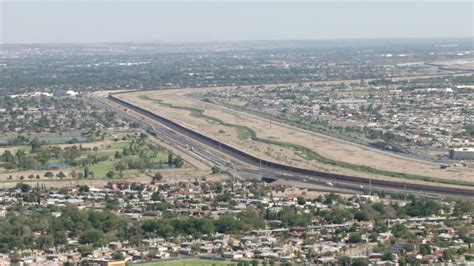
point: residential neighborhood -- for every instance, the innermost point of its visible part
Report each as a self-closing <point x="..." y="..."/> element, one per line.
<point x="236" y="133"/>
<point x="404" y="117"/>
<point x="240" y="221"/>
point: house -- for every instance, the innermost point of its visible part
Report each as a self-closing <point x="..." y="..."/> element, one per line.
<point x="103" y="262"/>
<point x="327" y="261"/>
<point x="233" y="255"/>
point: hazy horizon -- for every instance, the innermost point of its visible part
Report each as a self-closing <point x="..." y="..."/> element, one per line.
<point x="57" y="22"/>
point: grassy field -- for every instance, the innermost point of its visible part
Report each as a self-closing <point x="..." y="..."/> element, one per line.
<point x="191" y="262"/>
<point x="158" y="157"/>
<point x="100" y="169"/>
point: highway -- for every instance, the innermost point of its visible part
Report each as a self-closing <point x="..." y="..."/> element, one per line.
<point x="171" y="137"/>
<point x="211" y="150"/>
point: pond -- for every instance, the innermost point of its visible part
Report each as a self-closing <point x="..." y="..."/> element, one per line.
<point x="162" y="166"/>
<point x="61" y="139"/>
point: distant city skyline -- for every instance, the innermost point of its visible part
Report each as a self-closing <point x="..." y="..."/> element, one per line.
<point x="149" y="21"/>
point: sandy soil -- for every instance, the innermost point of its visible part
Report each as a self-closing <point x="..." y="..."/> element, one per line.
<point x="465" y="63"/>
<point x="169" y="175"/>
<point x="326" y="147"/>
<point x="301" y="189"/>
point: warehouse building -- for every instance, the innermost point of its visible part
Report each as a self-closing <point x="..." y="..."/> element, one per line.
<point x="462" y="153"/>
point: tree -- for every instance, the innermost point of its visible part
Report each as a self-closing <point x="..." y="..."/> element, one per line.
<point x="86" y="172"/>
<point x="7" y="157"/>
<point x="355" y="238"/>
<point x="35" y="145"/>
<point x="43" y="122"/>
<point x="26" y="163"/>
<point x="463" y="206"/>
<point x="178" y="161"/>
<point x="215" y="170"/>
<point x="110" y="174"/>
<point x="121" y="166"/>
<point x="448" y="254"/>
<point x="399" y="230"/>
<point x="117" y="256"/>
<point x="23" y="187"/>
<point x="92" y="236"/>
<point x="252" y="218"/>
<point x="388" y="256"/>
<point x="61" y="175"/>
<point x="195" y="247"/>
<point x="340" y="215"/>
<point x="84" y="188"/>
<point x="361" y="216"/>
<point x="360" y="262"/>
<point x="112" y="204"/>
<point x="157" y="176"/>
<point x="344" y="260"/>
<point x="228" y="224"/>
<point x="301" y="201"/>
<point x="156" y="196"/>
<point x="425" y="249"/>
<point x="43" y="156"/>
<point x="85" y="250"/>
<point x="379" y="206"/>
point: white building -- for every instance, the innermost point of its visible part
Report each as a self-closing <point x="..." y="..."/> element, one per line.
<point x="72" y="93"/>
<point x="462" y="153"/>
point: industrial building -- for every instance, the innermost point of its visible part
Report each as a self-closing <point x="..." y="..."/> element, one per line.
<point x="462" y="153"/>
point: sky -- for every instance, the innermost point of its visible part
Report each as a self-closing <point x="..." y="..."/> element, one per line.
<point x="73" y="21"/>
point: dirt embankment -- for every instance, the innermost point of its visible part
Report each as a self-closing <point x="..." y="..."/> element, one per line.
<point x="328" y="148"/>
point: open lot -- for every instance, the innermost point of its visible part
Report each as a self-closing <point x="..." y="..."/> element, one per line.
<point x="282" y="143"/>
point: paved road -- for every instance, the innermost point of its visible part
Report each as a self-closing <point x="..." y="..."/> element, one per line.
<point x="209" y="149"/>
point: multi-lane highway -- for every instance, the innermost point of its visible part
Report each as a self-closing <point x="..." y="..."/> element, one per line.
<point x="212" y="151"/>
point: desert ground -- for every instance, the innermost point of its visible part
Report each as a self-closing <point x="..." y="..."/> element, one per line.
<point x="466" y="63"/>
<point x="165" y="102"/>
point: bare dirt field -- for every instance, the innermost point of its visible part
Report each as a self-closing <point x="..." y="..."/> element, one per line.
<point x="466" y="63"/>
<point x="324" y="146"/>
<point x="169" y="176"/>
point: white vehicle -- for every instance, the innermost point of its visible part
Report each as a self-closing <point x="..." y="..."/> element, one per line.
<point x="329" y="184"/>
